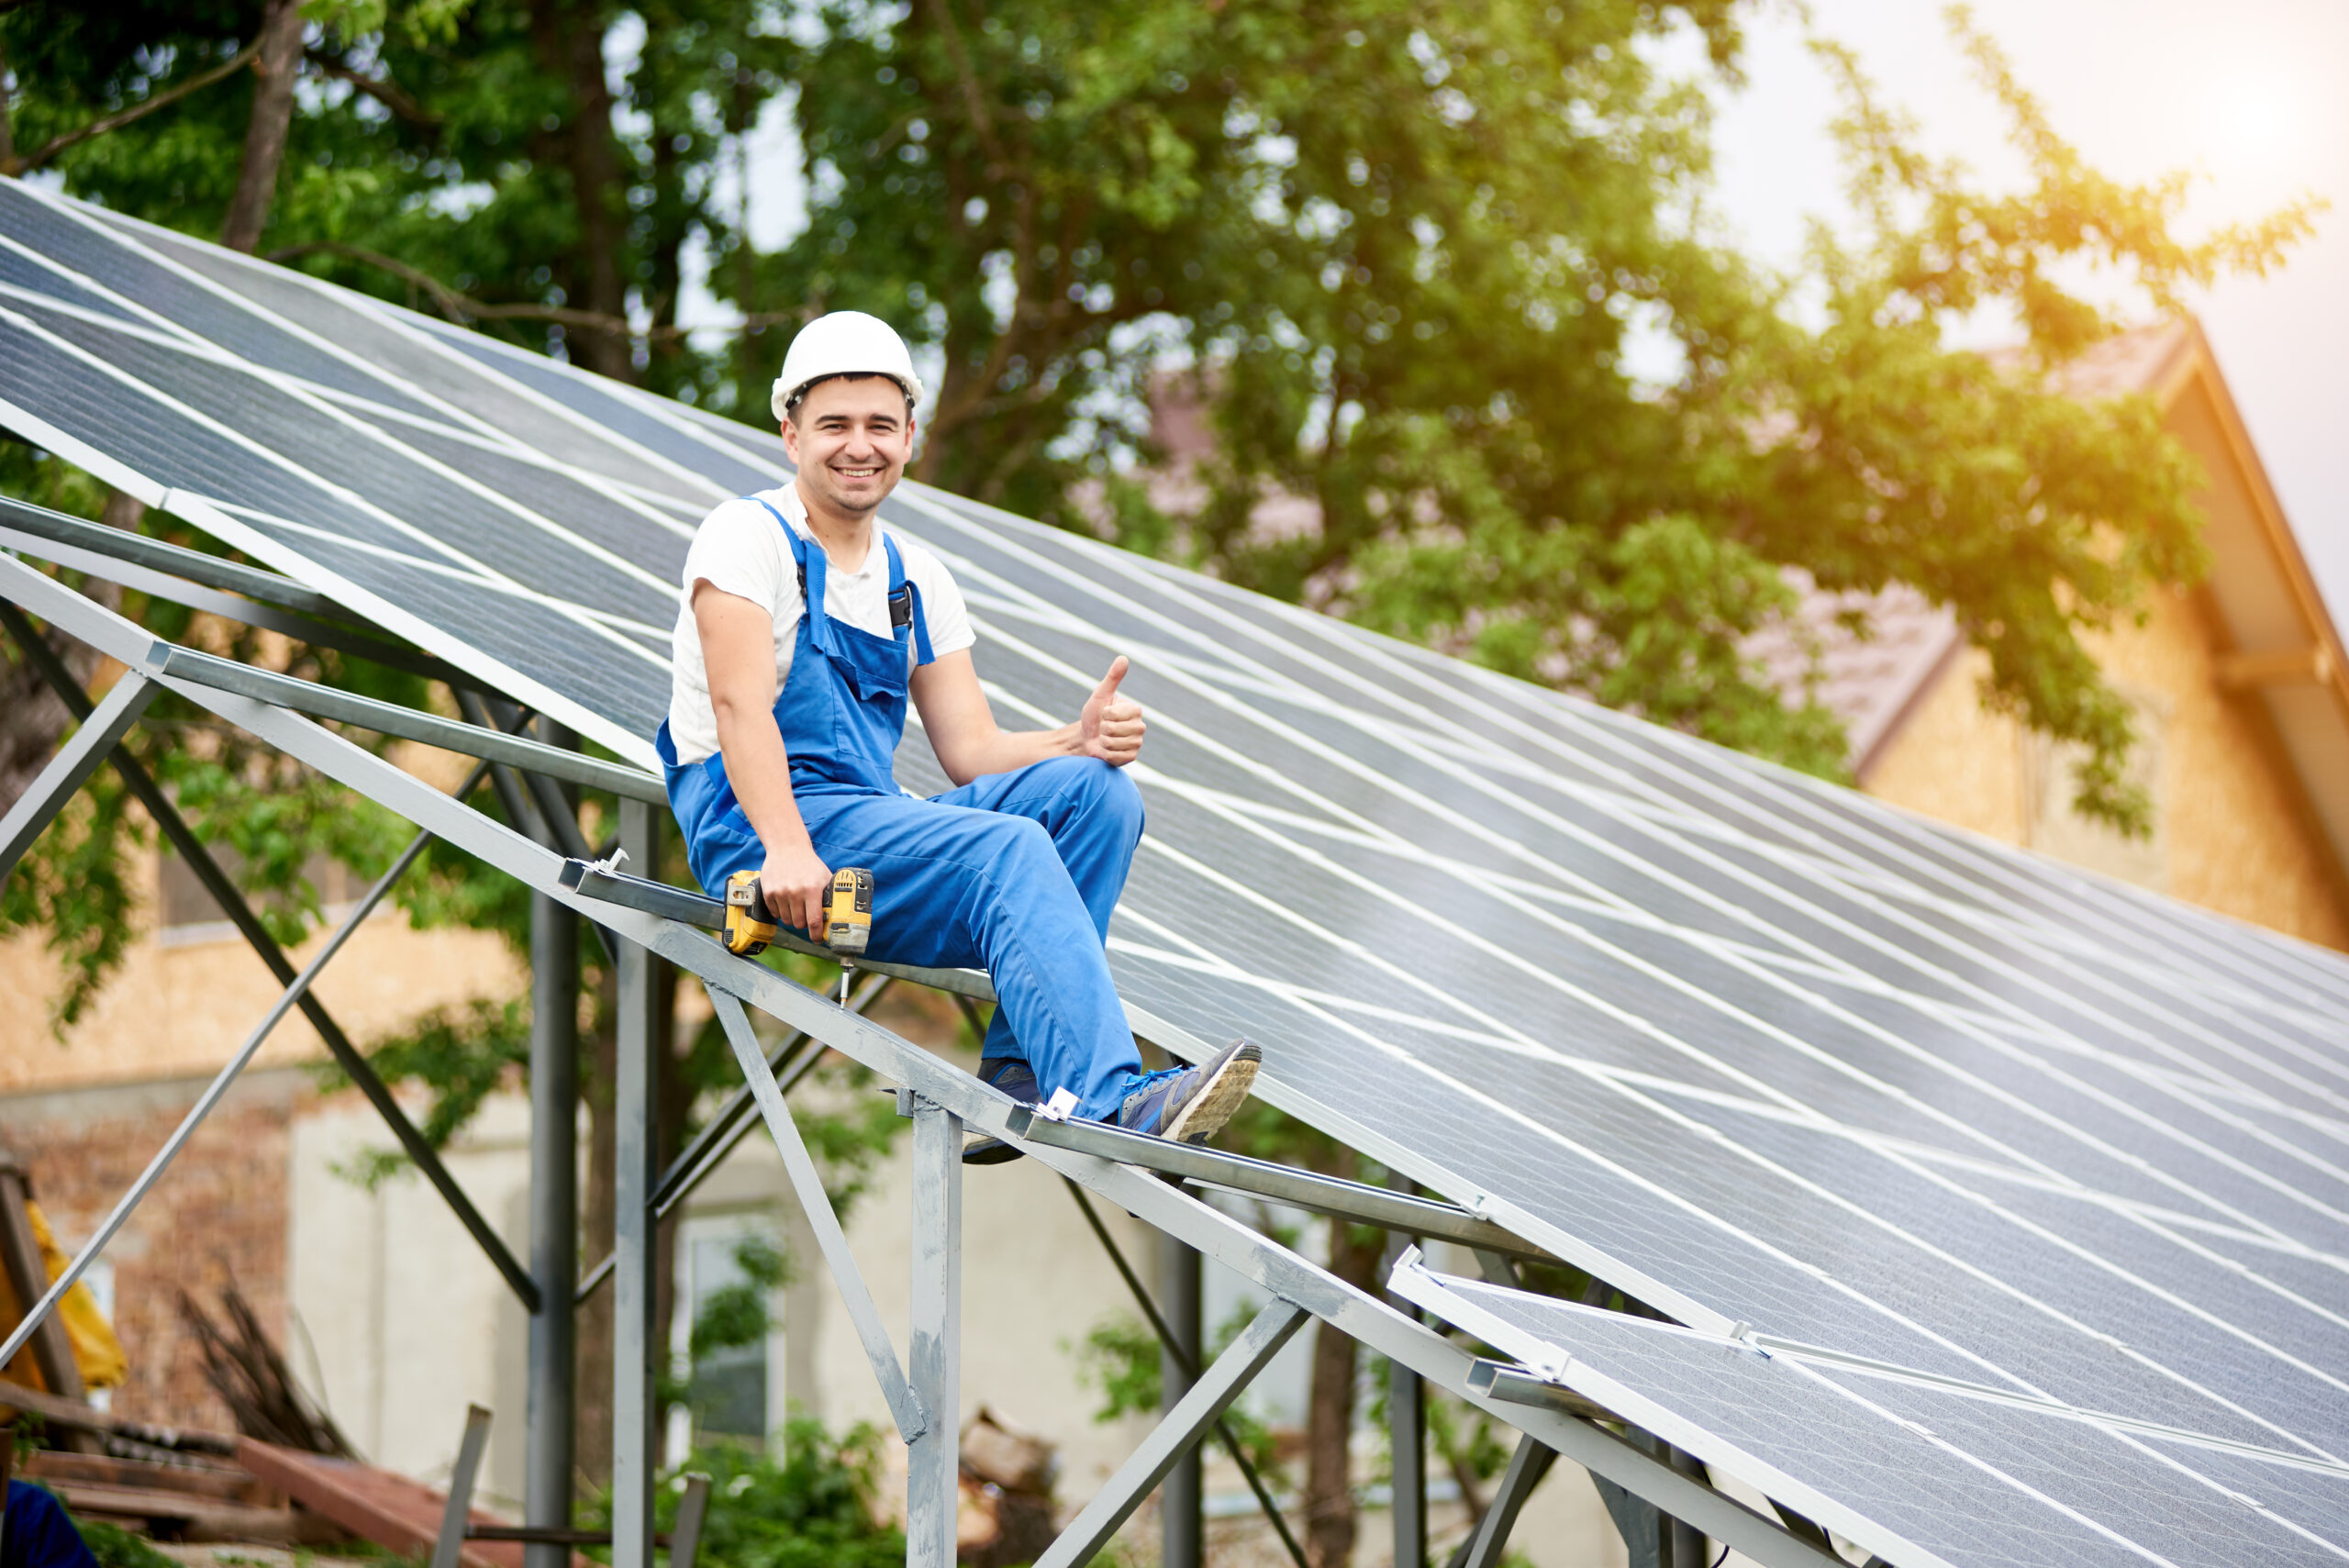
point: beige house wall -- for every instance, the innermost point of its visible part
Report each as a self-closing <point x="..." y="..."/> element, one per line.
<point x="1956" y="762"/>
<point x="2234" y="832"/>
<point x="184" y="1008"/>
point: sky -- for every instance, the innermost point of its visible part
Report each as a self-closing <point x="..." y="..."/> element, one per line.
<point x="2253" y="96"/>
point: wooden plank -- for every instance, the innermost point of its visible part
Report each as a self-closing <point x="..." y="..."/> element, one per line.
<point x="223" y="1483"/>
<point x="395" y="1512"/>
<point x="82" y="1417"/>
<point x="186" y="1517"/>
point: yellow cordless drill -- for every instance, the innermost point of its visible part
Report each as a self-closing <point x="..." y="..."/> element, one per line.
<point x="847" y="914"/>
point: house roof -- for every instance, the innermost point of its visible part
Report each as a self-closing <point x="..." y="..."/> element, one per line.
<point x="2277" y="642"/>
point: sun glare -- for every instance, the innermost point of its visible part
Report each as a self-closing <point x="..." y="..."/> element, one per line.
<point x="2254" y="119"/>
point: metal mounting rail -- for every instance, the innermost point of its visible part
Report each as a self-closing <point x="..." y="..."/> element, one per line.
<point x="1200" y="1166"/>
<point x="178" y="561"/>
<point x="688" y="908"/>
<point x="406" y="723"/>
<point x="109" y="566"/>
<point x="1513" y="1384"/>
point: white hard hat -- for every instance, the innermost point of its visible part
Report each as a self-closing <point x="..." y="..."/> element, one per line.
<point x="846" y="342"/>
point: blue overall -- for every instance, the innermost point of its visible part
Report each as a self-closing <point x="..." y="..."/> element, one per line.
<point x="1015" y="874"/>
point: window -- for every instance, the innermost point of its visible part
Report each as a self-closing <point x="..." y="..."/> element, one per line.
<point x="730" y="1385"/>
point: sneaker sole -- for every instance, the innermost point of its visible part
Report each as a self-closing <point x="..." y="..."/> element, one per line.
<point x="990" y="1152"/>
<point x="1213" y="1106"/>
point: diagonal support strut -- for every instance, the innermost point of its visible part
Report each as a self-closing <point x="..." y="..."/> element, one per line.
<point x="1176" y="1435"/>
<point x="71" y="767"/>
<point x="904" y="1407"/>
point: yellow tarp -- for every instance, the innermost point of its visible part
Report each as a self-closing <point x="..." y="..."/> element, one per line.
<point x="97" y="1352"/>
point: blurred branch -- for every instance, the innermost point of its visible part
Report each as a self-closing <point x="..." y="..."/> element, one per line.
<point x="463" y="308"/>
<point x="13" y="165"/>
<point x="388" y="94"/>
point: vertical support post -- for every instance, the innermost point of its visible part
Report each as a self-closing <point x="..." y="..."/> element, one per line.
<point x="554" y="1216"/>
<point x="934" y="1357"/>
<point x="685" y="1540"/>
<point x="1182" y="1496"/>
<point x="1688" y="1549"/>
<point x="634" y="1455"/>
<point x="458" y="1510"/>
<point x="1407" y="1429"/>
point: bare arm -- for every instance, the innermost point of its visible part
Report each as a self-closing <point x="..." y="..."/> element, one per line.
<point x="963" y="730"/>
<point x="738" y="652"/>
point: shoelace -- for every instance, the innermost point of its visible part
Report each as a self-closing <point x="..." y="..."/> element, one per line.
<point x="1150" y="1080"/>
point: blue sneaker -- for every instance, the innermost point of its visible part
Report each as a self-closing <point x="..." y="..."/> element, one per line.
<point x="1015" y="1078"/>
<point x="1190" y="1105"/>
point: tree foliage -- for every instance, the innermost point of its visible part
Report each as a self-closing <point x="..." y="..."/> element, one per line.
<point x="1408" y="252"/>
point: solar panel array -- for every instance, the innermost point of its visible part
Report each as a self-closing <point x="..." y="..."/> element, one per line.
<point x="1749" y="1047"/>
<point x="1917" y="1471"/>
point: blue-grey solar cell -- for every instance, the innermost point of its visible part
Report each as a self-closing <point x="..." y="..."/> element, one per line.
<point x="97" y="253"/>
<point x="404" y="354"/>
<point x="1899" y="1483"/>
<point x="2080" y="1276"/>
<point x="612" y="407"/>
<point x="2162" y="1499"/>
<point x="19" y="270"/>
<point x="2313" y="1498"/>
<point x="1755" y="1046"/>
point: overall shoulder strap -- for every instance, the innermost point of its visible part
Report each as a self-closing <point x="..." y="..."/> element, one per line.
<point x="905" y="605"/>
<point x="791" y="540"/>
<point x="814" y="624"/>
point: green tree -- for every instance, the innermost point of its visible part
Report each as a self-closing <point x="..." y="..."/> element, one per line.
<point x="1405" y="246"/>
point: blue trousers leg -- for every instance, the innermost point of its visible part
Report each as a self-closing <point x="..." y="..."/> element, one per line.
<point x="1094" y="813"/>
<point x="1016" y="873"/>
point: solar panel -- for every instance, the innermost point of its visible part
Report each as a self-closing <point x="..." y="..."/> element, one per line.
<point x="1749" y="1047"/>
<point x="1911" y="1469"/>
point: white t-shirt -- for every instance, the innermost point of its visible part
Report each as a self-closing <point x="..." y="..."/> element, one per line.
<point x="738" y="549"/>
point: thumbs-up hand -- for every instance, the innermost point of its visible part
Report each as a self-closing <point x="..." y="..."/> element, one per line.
<point x="1111" y="727"/>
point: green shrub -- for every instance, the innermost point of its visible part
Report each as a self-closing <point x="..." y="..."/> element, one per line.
<point x="813" y="1508"/>
<point x="115" y="1547"/>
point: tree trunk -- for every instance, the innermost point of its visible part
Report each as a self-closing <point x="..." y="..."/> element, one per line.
<point x="1354" y="1253"/>
<point x="672" y="227"/>
<point x="594" y="1395"/>
<point x="569" y="38"/>
<point x="272" y="116"/>
<point x="32" y="719"/>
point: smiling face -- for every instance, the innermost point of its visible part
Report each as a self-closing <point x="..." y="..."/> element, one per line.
<point x="849" y="440"/>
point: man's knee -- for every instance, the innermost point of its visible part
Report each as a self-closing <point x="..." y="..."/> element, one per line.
<point x="1104" y="795"/>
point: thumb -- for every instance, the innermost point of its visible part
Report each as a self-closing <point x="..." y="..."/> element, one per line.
<point x="1108" y="689"/>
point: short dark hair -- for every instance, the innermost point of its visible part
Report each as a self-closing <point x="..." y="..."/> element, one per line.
<point x="791" y="408"/>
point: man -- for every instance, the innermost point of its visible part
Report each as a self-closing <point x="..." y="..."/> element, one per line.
<point x="35" y="1530"/>
<point x="803" y="627"/>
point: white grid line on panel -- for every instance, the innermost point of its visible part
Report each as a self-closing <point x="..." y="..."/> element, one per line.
<point x="120" y="228"/>
<point x="1328" y="631"/>
<point x="1460" y="1309"/>
<point x="2021" y="1103"/>
<point x="1820" y="1192"/>
<point x="2012" y="1291"/>
<point x="1843" y="810"/>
